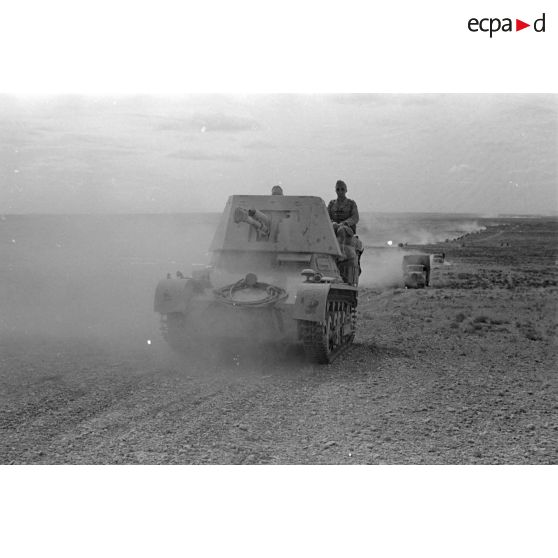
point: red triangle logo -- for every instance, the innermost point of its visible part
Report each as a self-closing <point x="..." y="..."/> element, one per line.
<point x="519" y="25"/>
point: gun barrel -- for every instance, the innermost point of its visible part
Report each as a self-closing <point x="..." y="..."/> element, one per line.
<point x="260" y="217"/>
<point x="254" y="218"/>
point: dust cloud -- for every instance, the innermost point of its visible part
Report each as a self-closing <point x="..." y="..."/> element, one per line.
<point x="376" y="230"/>
<point x="381" y="268"/>
<point x="382" y="236"/>
<point x="93" y="277"/>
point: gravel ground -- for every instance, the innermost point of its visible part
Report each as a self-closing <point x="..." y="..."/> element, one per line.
<point x="460" y="373"/>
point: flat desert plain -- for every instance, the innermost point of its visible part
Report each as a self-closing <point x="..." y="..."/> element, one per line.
<point x="463" y="372"/>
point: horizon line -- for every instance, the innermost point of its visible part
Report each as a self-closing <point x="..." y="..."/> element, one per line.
<point x="491" y="215"/>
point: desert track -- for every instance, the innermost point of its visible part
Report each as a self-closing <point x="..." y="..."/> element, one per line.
<point x="461" y="373"/>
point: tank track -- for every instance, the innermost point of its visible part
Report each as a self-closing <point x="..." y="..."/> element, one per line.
<point x="324" y="342"/>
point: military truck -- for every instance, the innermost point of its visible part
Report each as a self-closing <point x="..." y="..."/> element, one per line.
<point x="416" y="271"/>
<point x="274" y="277"/>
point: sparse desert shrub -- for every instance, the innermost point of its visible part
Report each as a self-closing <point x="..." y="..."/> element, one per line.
<point x="460" y="317"/>
<point x="532" y="334"/>
<point x="509" y="283"/>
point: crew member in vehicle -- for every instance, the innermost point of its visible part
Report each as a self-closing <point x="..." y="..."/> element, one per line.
<point x="343" y="210"/>
<point x="343" y="213"/>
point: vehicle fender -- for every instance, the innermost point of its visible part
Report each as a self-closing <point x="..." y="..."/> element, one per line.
<point x="311" y="302"/>
<point x="173" y="295"/>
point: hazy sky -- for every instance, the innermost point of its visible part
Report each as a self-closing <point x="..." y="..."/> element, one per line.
<point x="484" y="154"/>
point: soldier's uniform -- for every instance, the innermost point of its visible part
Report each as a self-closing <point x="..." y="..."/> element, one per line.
<point x="343" y="211"/>
<point x="346" y="212"/>
<point x="348" y="264"/>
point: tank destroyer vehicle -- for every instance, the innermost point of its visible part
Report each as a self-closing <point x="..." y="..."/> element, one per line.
<point x="438" y="259"/>
<point x="274" y="277"/>
<point x="416" y="271"/>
